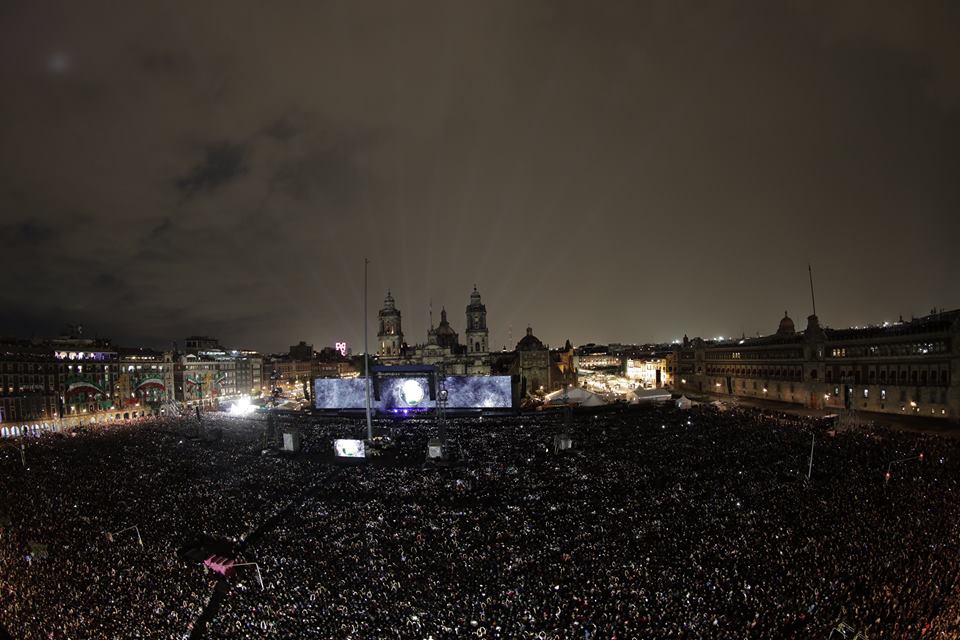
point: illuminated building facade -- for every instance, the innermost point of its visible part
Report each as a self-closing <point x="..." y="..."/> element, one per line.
<point x="72" y="380"/>
<point x="591" y="357"/>
<point x="207" y="373"/>
<point x="145" y="379"/>
<point x="652" y="373"/>
<point x="900" y="368"/>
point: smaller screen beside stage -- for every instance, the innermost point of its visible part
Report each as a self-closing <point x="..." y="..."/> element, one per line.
<point x="405" y="393"/>
<point x="337" y="393"/>
<point x="479" y="392"/>
<point x="349" y="449"/>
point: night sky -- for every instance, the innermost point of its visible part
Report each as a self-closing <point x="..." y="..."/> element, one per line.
<point x="604" y="171"/>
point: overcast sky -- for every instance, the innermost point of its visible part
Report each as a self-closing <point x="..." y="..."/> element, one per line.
<point x="603" y="171"/>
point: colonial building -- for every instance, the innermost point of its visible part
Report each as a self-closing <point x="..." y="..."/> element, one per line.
<point x="249" y="371"/>
<point x="442" y="348"/>
<point x="208" y="374"/>
<point x="145" y="379"/>
<point x="533" y="365"/>
<point x="29" y="382"/>
<point x="907" y="367"/>
<point x="541" y="370"/>
<point x="591" y="357"/>
<point x="651" y="371"/>
<point x="72" y="380"/>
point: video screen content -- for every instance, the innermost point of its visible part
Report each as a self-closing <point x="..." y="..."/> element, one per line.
<point x="412" y="393"/>
<point x="479" y="392"/>
<point x="337" y="393"/>
<point x="405" y="393"/>
<point x="349" y="448"/>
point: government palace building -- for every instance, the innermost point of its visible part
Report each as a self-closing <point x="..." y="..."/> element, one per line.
<point x="907" y="367"/>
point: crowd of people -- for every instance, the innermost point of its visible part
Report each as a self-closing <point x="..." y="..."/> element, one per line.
<point x="72" y="566"/>
<point x="659" y="523"/>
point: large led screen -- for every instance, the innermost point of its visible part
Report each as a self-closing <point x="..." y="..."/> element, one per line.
<point x="479" y="392"/>
<point x="413" y="393"/>
<point x="405" y="393"/>
<point x="337" y="393"/>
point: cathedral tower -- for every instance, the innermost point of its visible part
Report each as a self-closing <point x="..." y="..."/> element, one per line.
<point x="390" y="335"/>
<point x="477" y="335"/>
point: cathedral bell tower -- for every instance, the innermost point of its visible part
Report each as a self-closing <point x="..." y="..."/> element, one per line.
<point x="477" y="335"/>
<point x="390" y="335"/>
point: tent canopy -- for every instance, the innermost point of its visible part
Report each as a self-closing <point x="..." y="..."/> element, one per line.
<point x="640" y="394"/>
<point x="574" y="396"/>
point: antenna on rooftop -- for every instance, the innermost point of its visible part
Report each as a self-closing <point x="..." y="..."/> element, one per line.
<point x="813" y="299"/>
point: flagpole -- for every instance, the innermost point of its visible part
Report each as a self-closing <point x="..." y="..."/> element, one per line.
<point x="366" y="351"/>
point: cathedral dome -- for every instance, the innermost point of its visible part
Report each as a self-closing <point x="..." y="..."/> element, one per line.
<point x="786" y="326"/>
<point x="444" y="335"/>
<point x="444" y="328"/>
<point x="530" y="342"/>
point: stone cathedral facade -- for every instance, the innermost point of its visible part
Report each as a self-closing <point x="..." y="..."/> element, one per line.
<point x="443" y="347"/>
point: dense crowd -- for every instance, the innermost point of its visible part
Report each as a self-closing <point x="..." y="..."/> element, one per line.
<point x="61" y="574"/>
<point x="660" y="523"/>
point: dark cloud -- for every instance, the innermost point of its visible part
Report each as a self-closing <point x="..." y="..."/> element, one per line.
<point x="107" y="280"/>
<point x="165" y="63"/>
<point x="223" y="163"/>
<point x="282" y="130"/>
<point x="320" y="174"/>
<point x="620" y="170"/>
<point x="28" y="233"/>
<point x="162" y="230"/>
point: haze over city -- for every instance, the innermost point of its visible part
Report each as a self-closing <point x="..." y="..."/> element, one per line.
<point x="614" y="172"/>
